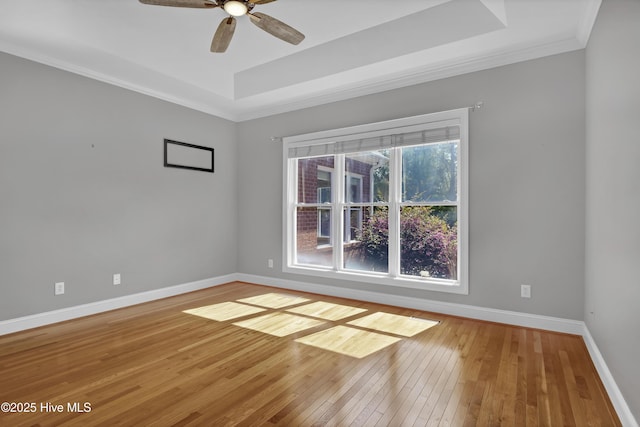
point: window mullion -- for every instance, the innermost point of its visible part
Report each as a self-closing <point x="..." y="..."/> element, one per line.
<point x="395" y="191"/>
<point x="292" y="197"/>
<point x="338" y="199"/>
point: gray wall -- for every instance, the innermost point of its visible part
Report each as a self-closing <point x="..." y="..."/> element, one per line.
<point x="526" y="181"/>
<point x="613" y="192"/>
<point x="84" y="194"/>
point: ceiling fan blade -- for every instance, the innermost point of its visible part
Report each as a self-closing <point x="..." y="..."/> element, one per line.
<point x="205" y="4"/>
<point x="223" y="35"/>
<point x="260" y="1"/>
<point x="276" y="28"/>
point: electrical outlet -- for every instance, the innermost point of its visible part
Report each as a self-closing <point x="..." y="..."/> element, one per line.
<point x="525" y="291"/>
<point x="116" y="279"/>
<point x="270" y="263"/>
<point x="58" y="288"/>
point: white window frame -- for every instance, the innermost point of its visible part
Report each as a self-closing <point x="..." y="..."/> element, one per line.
<point x="459" y="118"/>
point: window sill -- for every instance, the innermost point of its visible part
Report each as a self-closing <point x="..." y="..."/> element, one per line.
<point x="421" y="283"/>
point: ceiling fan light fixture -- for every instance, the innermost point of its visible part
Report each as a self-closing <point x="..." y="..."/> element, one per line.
<point x="235" y="8"/>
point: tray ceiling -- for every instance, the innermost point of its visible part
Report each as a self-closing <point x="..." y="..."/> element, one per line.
<point x="351" y="47"/>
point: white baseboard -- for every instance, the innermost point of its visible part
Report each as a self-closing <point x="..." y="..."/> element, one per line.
<point x="617" y="399"/>
<point x="474" y="312"/>
<point x="55" y="316"/>
<point x="556" y="324"/>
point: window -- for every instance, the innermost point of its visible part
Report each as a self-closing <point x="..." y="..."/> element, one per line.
<point x="384" y="203"/>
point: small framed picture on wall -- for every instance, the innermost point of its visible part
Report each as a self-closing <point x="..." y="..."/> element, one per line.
<point x="188" y="156"/>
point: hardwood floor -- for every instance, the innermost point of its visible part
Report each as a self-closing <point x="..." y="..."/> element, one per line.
<point x="169" y="362"/>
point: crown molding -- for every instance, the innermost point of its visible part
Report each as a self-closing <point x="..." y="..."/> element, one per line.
<point x="236" y="112"/>
<point x="588" y="21"/>
<point x="414" y="76"/>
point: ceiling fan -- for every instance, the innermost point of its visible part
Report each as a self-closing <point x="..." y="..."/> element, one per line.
<point x="224" y="33"/>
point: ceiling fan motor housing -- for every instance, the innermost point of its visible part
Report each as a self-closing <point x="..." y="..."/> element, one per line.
<point x="236" y="7"/>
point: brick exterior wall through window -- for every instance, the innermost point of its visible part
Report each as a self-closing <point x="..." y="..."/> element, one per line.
<point x="307" y="238"/>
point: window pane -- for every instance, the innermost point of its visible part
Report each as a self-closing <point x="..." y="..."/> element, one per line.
<point x="429" y="173"/>
<point x="314" y="179"/>
<point x="323" y="186"/>
<point x="324" y="226"/>
<point x="429" y="241"/>
<point x="352" y="223"/>
<point x="367" y="176"/>
<point x="353" y="190"/>
<point x="368" y="250"/>
<point x="313" y="244"/>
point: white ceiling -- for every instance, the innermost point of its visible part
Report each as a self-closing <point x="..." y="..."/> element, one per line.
<point x="352" y="47"/>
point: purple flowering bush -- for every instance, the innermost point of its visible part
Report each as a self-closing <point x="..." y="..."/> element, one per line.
<point x="374" y="239"/>
<point x="428" y="244"/>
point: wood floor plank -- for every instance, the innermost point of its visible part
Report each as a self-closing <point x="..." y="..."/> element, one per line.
<point x="437" y="379"/>
<point x="351" y="409"/>
<point x="466" y="345"/>
<point x="188" y="361"/>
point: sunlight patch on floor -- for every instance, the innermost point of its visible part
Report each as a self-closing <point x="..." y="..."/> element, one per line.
<point x="360" y="337"/>
<point x="349" y="341"/>
<point x="274" y="300"/>
<point x="224" y="311"/>
<point x="327" y="310"/>
<point x="393" y="324"/>
<point x="279" y="324"/>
